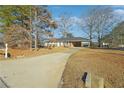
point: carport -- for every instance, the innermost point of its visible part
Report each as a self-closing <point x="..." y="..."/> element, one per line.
<point x="76" y="43"/>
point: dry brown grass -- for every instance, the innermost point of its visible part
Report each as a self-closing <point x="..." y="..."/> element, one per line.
<point x="28" y="53"/>
<point x="108" y="64"/>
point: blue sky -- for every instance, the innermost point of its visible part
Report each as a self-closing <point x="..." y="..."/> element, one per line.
<point x="76" y="11"/>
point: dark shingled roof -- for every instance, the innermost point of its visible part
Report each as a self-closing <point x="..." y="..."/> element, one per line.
<point x="73" y="39"/>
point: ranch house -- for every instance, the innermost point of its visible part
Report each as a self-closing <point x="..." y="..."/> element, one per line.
<point x="67" y="42"/>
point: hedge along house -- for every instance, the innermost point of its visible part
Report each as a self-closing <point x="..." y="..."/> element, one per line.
<point x="68" y="42"/>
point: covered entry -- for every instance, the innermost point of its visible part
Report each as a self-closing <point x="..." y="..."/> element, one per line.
<point x="76" y="43"/>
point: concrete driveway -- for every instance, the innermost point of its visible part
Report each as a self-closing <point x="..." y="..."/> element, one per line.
<point x="41" y="71"/>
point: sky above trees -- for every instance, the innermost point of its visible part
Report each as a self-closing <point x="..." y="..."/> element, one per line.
<point x="76" y="11"/>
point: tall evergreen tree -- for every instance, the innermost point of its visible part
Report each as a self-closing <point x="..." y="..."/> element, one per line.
<point x="35" y="19"/>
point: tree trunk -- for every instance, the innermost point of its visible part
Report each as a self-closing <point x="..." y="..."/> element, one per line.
<point x="36" y="39"/>
<point x="90" y="36"/>
<point x="99" y="39"/>
<point x="36" y="34"/>
<point x="30" y="30"/>
<point x="90" y="41"/>
<point x="99" y="42"/>
<point x="30" y="38"/>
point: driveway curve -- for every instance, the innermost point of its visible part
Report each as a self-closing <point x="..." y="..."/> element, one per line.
<point x="36" y="72"/>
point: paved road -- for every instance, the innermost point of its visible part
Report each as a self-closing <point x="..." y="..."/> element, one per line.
<point x="40" y="71"/>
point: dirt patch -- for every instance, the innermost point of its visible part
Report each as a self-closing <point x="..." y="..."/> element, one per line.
<point x="108" y="64"/>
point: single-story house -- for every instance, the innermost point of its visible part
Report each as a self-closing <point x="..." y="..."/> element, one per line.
<point x="68" y="42"/>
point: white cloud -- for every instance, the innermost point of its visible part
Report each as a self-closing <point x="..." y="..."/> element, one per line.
<point x="119" y="12"/>
<point x="75" y="19"/>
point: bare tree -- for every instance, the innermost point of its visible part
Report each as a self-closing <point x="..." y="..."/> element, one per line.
<point x="87" y="24"/>
<point x="104" y="22"/>
<point x="17" y="37"/>
<point x="98" y="23"/>
<point x="64" y="23"/>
